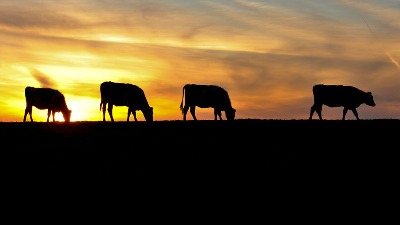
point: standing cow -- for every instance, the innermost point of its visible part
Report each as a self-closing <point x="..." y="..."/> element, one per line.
<point x="46" y="98"/>
<point x="124" y="94"/>
<point x="206" y="96"/>
<point x="339" y="96"/>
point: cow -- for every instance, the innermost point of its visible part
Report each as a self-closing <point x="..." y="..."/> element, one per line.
<point x="124" y="94"/>
<point x="46" y="98"/>
<point x="206" y="96"/>
<point x="347" y="97"/>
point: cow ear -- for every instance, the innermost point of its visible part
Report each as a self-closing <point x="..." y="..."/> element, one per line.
<point x="369" y="93"/>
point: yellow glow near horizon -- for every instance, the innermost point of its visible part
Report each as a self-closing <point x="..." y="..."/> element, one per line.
<point x="83" y="108"/>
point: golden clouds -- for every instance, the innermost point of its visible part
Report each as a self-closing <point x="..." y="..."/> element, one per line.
<point x="265" y="53"/>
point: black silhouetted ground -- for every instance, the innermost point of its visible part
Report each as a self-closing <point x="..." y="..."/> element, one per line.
<point x="242" y="159"/>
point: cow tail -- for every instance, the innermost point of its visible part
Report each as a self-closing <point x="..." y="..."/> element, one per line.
<point x="101" y="104"/>
<point x="101" y="97"/>
<point x="183" y="94"/>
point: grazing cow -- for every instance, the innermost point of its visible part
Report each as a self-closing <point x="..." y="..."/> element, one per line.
<point x="339" y="96"/>
<point x="124" y="94"/>
<point x="206" y="96"/>
<point x="46" y="98"/>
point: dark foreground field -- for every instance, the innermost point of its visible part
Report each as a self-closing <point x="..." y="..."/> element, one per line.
<point x="240" y="159"/>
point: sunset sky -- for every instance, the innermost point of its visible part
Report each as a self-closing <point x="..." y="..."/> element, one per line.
<point x="266" y="54"/>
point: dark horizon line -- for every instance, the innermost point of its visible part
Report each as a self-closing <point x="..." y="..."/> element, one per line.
<point x="200" y="120"/>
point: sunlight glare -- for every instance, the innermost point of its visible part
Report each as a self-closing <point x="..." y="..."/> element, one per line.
<point x="83" y="109"/>
<point x="118" y="39"/>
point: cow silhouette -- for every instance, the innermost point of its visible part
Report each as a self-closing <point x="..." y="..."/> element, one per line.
<point x="348" y="97"/>
<point x="206" y="96"/>
<point x="46" y="98"/>
<point x="124" y="94"/>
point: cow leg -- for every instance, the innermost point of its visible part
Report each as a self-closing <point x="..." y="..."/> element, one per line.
<point x="48" y="114"/>
<point x="193" y="112"/>
<point x="184" y="112"/>
<point x="344" y="112"/>
<point x="312" y="111"/>
<point x="53" y="113"/>
<point x="355" y="113"/>
<point x="28" y="109"/>
<point x="217" y="112"/>
<point x="129" y="113"/>
<point x="318" y="109"/>
<point x="110" y="107"/>
<point x="133" y="111"/>
<point x="26" y="112"/>
<point x="104" y="112"/>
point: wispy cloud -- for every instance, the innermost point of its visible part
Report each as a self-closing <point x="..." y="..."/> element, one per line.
<point x="35" y="19"/>
<point x="393" y="60"/>
<point x="44" y="80"/>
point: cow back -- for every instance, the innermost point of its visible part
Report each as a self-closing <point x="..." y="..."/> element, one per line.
<point x="340" y="95"/>
<point x="114" y="93"/>
<point x="205" y="96"/>
<point x="123" y="94"/>
<point x="45" y="98"/>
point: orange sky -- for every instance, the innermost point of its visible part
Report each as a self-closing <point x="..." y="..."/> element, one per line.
<point x="266" y="54"/>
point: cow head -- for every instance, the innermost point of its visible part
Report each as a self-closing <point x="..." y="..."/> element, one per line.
<point x="230" y="114"/>
<point x="369" y="99"/>
<point x="148" y="114"/>
<point x="67" y="115"/>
